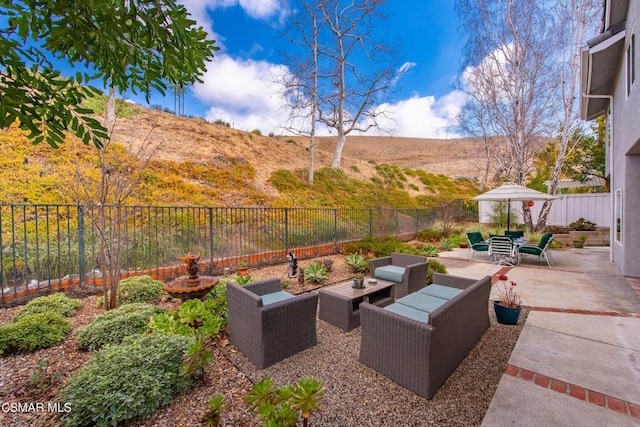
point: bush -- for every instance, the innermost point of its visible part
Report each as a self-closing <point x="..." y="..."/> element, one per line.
<point x="380" y="246"/>
<point x="446" y="244"/>
<point x="582" y="225"/>
<point x="127" y="381"/>
<point x="556" y="229"/>
<point x="356" y="263"/>
<point x="316" y="273"/>
<point x="429" y="235"/>
<point x="140" y="289"/>
<point x="137" y="289"/>
<point x="29" y="333"/>
<point x="194" y="318"/>
<point x="284" y="405"/>
<point x="434" y="267"/>
<point x="429" y="251"/>
<point x="56" y="303"/>
<point x="113" y="326"/>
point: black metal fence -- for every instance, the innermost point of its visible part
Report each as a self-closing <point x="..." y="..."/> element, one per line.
<point x="44" y="245"/>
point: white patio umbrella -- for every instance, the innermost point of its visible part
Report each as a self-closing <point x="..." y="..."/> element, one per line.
<point x="511" y="192"/>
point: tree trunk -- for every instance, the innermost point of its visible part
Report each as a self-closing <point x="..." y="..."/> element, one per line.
<point x="314" y="105"/>
<point x="111" y="108"/>
<point x="337" y="154"/>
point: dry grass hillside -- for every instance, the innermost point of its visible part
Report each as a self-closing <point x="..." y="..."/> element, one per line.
<point x="195" y="162"/>
<point x="197" y="140"/>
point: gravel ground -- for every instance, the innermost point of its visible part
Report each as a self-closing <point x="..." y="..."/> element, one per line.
<point x="355" y="394"/>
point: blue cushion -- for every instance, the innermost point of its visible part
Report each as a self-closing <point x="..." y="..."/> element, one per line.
<point x="440" y="291"/>
<point x="275" y="297"/>
<point x="393" y="273"/>
<point x="409" y="312"/>
<point x="422" y="302"/>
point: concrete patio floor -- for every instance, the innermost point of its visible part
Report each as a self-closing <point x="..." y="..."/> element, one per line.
<point x="577" y="360"/>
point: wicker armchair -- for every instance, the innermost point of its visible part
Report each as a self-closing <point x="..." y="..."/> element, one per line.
<point x="413" y="277"/>
<point x="269" y="333"/>
<point x="421" y="355"/>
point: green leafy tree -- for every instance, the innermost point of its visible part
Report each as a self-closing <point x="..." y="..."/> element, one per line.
<point x="587" y="158"/>
<point x="132" y="46"/>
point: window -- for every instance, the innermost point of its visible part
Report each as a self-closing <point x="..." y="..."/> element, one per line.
<point x="617" y="215"/>
<point x="631" y="63"/>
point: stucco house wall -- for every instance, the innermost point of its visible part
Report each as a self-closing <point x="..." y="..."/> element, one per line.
<point x="605" y="91"/>
<point x="625" y="153"/>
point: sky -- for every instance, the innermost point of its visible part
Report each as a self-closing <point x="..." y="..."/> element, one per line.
<point x="236" y="87"/>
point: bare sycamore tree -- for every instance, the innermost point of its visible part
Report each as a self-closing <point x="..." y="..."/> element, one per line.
<point x="349" y="70"/>
<point x="518" y="63"/>
<point x="300" y="87"/>
<point x="120" y="167"/>
<point x="575" y="23"/>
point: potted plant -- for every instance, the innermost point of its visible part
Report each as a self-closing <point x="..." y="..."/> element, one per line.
<point x="243" y="268"/>
<point x="508" y="306"/>
<point x="578" y="241"/>
<point x="358" y="281"/>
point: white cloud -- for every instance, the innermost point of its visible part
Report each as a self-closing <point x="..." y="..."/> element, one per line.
<point x="242" y="92"/>
<point x="260" y="9"/>
<point x="257" y="9"/>
<point x="422" y="117"/>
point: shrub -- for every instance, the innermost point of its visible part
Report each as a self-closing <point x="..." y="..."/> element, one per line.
<point x="113" y="326"/>
<point x="215" y="408"/>
<point x="429" y="235"/>
<point x="379" y="246"/>
<point x="29" y="333"/>
<point x="284" y="405"/>
<point x="127" y="381"/>
<point x="140" y="289"/>
<point x="356" y="263"/>
<point x="56" y="303"/>
<point x="242" y="279"/>
<point x="446" y="244"/>
<point x="434" y="267"/>
<point x="429" y="251"/>
<point x="556" y="229"/>
<point x="194" y="318"/>
<point x="316" y="273"/>
<point x="582" y="225"/>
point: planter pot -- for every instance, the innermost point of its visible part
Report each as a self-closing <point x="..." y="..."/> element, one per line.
<point x="243" y="271"/>
<point x="506" y="315"/>
<point x="578" y="245"/>
<point x="358" y="282"/>
<point x="464" y="245"/>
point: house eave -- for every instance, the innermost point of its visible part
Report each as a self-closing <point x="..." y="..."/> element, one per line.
<point x="599" y="62"/>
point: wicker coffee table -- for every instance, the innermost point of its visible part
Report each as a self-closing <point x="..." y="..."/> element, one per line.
<point x="339" y="304"/>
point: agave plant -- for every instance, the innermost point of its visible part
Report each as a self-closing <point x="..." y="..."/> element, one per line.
<point x="356" y="263"/>
<point x="446" y="244"/>
<point x="429" y="251"/>
<point x="316" y="273"/>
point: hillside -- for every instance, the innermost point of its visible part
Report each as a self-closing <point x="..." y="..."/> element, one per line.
<point x="197" y="162"/>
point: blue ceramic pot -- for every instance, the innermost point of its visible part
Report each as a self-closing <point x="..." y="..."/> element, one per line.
<point x="506" y="315"/>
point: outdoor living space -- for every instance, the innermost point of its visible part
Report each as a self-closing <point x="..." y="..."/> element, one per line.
<point x="576" y="358"/>
<point x="570" y="357"/>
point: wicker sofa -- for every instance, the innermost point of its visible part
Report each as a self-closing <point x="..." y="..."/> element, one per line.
<point x="409" y="272"/>
<point x="421" y="351"/>
<point x="267" y="324"/>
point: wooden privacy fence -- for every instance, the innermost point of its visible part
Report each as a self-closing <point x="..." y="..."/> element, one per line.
<point x="47" y="247"/>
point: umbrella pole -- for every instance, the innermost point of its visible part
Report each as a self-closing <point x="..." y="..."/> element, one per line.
<point x="508" y="213"/>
